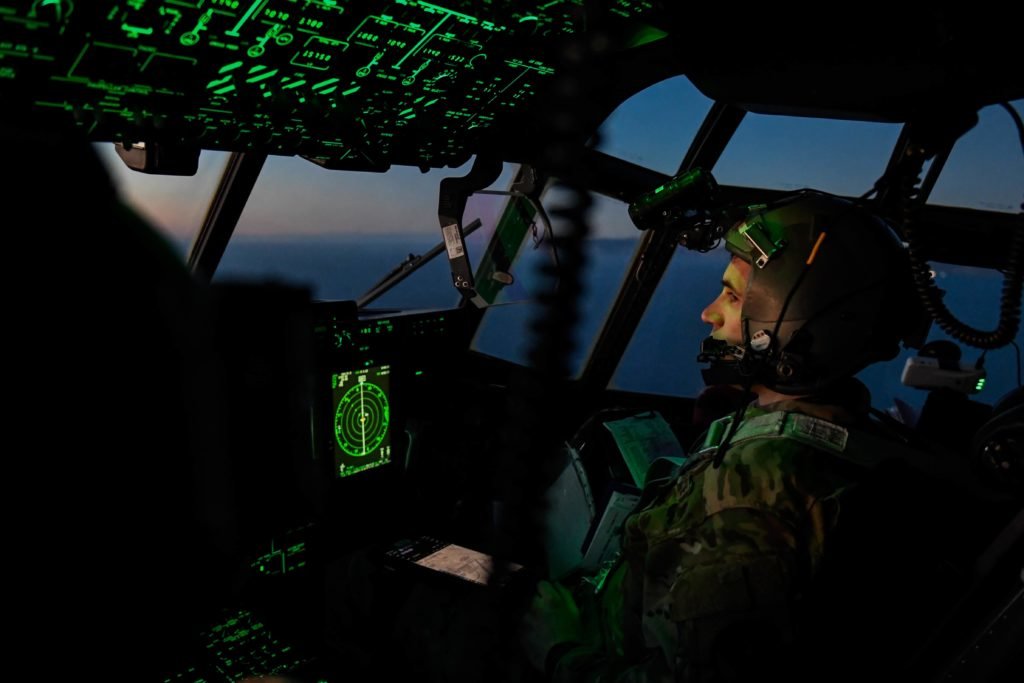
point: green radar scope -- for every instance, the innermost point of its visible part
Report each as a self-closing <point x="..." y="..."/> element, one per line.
<point x="361" y="419"/>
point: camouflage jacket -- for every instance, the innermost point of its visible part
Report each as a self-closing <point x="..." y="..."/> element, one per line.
<point x="716" y="558"/>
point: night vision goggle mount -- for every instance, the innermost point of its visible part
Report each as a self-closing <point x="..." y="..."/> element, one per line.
<point x="691" y="203"/>
<point x="754" y="239"/>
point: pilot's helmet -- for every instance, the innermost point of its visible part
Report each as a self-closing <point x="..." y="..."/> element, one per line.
<point x="830" y="292"/>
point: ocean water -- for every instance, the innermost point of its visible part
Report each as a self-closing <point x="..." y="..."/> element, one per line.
<point x="661" y="356"/>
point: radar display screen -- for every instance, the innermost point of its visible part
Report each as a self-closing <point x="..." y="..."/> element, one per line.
<point x="360" y="419"/>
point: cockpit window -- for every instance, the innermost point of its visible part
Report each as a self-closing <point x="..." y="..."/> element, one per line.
<point x="662" y="356"/>
<point x="790" y="153"/>
<point x="175" y="205"/>
<point x="972" y="294"/>
<point x="339" y="233"/>
<point x="654" y="127"/>
<point x="985" y="170"/>
<point x="505" y="329"/>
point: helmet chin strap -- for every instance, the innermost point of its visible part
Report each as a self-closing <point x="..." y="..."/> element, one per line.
<point x="743" y="364"/>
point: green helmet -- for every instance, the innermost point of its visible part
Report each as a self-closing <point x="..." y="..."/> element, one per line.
<point x="829" y="293"/>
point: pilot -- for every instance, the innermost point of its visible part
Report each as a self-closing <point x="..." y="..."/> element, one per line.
<point x="742" y="563"/>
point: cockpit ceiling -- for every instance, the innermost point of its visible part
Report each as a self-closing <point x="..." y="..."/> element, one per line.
<point x="363" y="84"/>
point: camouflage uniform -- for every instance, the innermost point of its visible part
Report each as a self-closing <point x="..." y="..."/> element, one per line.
<point x="716" y="557"/>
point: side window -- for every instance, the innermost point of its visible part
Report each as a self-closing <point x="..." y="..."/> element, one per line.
<point x="985" y="170"/>
<point x="661" y="357"/>
<point x="972" y="294"/>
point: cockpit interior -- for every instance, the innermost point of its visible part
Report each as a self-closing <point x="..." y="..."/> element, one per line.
<point x="235" y="469"/>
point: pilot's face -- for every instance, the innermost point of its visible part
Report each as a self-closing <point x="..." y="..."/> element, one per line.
<point x="723" y="314"/>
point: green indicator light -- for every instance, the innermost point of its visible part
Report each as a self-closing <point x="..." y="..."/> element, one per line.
<point x="218" y="82"/>
<point x="229" y="67"/>
<point x="447" y="13"/>
<point x="645" y="36"/>
<point x="324" y="84"/>
<point x="223" y="91"/>
<point x="528" y="17"/>
<point x="296" y="84"/>
<point x="350" y="91"/>
<point x="136" y="31"/>
<point x="364" y="71"/>
<point x="245" y="17"/>
<point x="419" y="372"/>
<point x="192" y="37"/>
<point x="436" y="8"/>
<point x="261" y="77"/>
<point x="328" y="91"/>
<point x="175" y="18"/>
<point x="407" y="111"/>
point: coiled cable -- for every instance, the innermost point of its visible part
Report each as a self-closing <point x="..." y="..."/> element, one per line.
<point x="929" y="293"/>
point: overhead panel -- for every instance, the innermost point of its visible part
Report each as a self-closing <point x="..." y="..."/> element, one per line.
<point x="350" y="83"/>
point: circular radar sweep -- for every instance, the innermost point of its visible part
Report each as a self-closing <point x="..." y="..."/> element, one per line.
<point x="361" y="420"/>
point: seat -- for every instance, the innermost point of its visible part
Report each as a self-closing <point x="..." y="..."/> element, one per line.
<point x="979" y="639"/>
